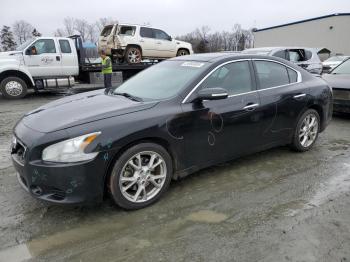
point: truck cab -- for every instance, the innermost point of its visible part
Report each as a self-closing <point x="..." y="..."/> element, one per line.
<point x="38" y="63"/>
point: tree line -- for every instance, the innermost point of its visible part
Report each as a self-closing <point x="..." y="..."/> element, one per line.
<point x="202" y="39"/>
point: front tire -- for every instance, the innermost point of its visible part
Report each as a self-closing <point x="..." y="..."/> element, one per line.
<point x="13" y="88"/>
<point x="133" y="55"/>
<point x="306" y="131"/>
<point x="140" y="176"/>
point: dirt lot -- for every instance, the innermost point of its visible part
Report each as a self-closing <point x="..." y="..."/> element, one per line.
<point x="273" y="206"/>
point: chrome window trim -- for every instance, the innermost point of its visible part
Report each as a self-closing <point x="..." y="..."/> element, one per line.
<point x="207" y="75"/>
<point x="299" y="77"/>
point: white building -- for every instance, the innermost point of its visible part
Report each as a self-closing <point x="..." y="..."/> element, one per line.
<point x="330" y="31"/>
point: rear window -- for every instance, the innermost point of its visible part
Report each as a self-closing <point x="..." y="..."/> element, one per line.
<point x="107" y="30"/>
<point x="65" y="46"/>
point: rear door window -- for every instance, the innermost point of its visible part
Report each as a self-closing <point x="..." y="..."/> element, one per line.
<point x="271" y="74"/>
<point x="127" y="30"/>
<point x="65" y="47"/>
<point x="146" y="32"/>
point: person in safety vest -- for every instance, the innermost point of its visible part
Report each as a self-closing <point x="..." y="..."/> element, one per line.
<point x="106" y="69"/>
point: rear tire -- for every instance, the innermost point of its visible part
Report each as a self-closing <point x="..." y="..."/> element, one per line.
<point x="140" y="176"/>
<point x="133" y="55"/>
<point x="306" y="131"/>
<point x="13" y="87"/>
<point x="182" y="52"/>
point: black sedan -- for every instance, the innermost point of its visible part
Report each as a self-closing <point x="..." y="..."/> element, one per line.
<point x="339" y="80"/>
<point x="176" y="117"/>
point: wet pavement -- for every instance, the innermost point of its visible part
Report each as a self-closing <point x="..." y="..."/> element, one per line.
<point x="276" y="205"/>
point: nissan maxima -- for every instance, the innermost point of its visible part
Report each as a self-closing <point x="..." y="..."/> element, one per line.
<point x="168" y="121"/>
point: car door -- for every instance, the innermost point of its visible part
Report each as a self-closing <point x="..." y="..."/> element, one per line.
<point x="46" y="61"/>
<point x="148" y="42"/>
<point x="219" y="130"/>
<point x="166" y="46"/>
<point x="69" y="62"/>
<point x="283" y="97"/>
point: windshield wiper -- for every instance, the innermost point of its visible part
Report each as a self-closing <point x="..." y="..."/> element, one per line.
<point x="131" y="97"/>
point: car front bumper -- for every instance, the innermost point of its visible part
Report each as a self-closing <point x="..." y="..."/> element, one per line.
<point x="60" y="183"/>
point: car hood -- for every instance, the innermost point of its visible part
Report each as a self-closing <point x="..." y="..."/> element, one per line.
<point x="80" y="109"/>
<point x="7" y="55"/>
<point x="183" y="43"/>
<point x="338" y="81"/>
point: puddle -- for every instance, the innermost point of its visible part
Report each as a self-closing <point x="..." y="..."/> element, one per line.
<point x="207" y="216"/>
<point x="334" y="187"/>
<point x="15" y="254"/>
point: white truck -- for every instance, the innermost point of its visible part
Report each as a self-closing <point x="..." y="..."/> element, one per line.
<point x="53" y="63"/>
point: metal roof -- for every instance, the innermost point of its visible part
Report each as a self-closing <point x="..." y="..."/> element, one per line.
<point x="302" y="21"/>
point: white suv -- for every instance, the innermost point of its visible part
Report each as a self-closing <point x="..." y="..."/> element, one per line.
<point x="135" y="43"/>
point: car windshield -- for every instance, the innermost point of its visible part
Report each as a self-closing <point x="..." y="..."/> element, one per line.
<point x="343" y="68"/>
<point x="163" y="80"/>
<point x="336" y="59"/>
<point x="24" y="45"/>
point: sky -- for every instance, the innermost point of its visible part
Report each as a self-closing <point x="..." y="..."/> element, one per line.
<point x="177" y="17"/>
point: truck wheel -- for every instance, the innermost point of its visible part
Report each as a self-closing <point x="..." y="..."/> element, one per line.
<point x="13" y="88"/>
<point x="140" y="176"/>
<point x="182" y="52"/>
<point x="133" y="55"/>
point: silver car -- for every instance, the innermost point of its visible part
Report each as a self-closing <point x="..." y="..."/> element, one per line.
<point x="308" y="58"/>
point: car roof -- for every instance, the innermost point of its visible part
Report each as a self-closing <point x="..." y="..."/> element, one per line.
<point x="215" y="57"/>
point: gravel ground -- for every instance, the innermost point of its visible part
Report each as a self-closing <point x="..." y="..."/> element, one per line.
<point x="276" y="205"/>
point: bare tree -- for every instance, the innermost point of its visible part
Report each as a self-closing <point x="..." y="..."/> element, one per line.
<point x="102" y="22"/>
<point x="235" y="40"/>
<point x="81" y="26"/>
<point x="69" y="25"/>
<point x="59" y="33"/>
<point x="91" y="33"/>
<point x="22" y="31"/>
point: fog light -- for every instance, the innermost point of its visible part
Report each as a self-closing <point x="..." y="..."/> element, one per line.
<point x="36" y="190"/>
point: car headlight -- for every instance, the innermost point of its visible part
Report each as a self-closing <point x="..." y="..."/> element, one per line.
<point x="71" y="150"/>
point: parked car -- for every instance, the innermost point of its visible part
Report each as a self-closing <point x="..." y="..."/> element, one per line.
<point x="134" y="43"/>
<point x="332" y="62"/>
<point x="307" y="58"/>
<point x="168" y="121"/>
<point x="339" y="80"/>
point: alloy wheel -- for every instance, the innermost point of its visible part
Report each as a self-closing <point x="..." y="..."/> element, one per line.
<point x="308" y="130"/>
<point x="134" y="56"/>
<point x="143" y="176"/>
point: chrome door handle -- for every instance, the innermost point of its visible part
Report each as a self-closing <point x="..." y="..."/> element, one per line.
<point x="299" y="96"/>
<point x="159" y="43"/>
<point x="250" y="107"/>
<point x="142" y="40"/>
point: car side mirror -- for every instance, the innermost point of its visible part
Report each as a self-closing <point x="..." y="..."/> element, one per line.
<point x="170" y="38"/>
<point x="214" y="93"/>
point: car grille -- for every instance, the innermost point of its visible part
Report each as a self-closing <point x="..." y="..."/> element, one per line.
<point x="18" y="150"/>
<point x="341" y="94"/>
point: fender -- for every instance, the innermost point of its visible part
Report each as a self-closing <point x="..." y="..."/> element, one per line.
<point x="7" y="65"/>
